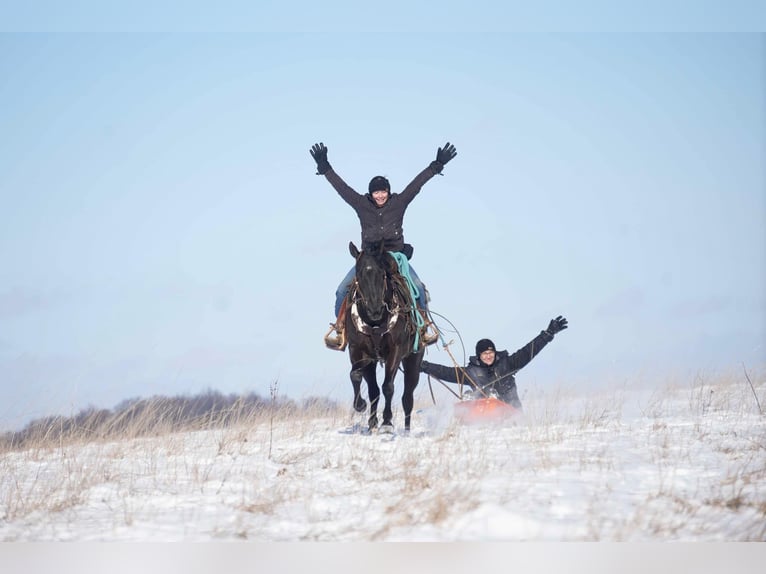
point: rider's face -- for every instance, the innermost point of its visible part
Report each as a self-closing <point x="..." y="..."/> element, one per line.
<point x="380" y="197"/>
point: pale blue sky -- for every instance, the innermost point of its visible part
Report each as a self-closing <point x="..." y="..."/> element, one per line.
<point x="163" y="231"/>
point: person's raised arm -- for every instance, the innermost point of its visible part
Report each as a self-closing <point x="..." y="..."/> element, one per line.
<point x="347" y="193"/>
<point x="443" y="155"/>
<point x="521" y="358"/>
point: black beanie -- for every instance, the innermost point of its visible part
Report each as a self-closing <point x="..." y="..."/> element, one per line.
<point x="484" y="345"/>
<point x="379" y="183"/>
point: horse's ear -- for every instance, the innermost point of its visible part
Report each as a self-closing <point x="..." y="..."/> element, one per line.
<point x="353" y="250"/>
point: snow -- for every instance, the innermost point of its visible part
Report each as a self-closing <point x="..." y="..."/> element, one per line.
<point x="679" y="464"/>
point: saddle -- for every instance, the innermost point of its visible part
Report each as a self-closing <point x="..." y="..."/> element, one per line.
<point x="403" y="300"/>
<point x="428" y="334"/>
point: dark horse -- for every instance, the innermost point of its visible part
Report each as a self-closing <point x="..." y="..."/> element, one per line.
<point x="381" y="327"/>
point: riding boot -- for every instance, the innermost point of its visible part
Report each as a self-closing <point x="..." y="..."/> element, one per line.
<point x="337" y="342"/>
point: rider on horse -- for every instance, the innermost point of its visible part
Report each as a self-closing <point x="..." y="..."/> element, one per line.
<point x="381" y="214"/>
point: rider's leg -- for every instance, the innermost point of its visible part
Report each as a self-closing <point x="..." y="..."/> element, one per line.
<point x="422" y="298"/>
<point x="342" y="290"/>
<point x="430" y="335"/>
<point x="338" y="341"/>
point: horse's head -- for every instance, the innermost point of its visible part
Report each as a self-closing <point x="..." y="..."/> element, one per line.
<point x="372" y="266"/>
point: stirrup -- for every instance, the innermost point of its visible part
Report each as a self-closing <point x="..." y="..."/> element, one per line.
<point x="430" y="337"/>
<point x="337" y="342"/>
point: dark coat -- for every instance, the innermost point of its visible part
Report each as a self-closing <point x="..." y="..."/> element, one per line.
<point x="381" y="223"/>
<point x="498" y="377"/>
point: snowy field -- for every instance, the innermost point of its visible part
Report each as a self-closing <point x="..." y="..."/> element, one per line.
<point x="685" y="463"/>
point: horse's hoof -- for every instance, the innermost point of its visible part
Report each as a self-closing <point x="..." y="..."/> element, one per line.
<point x="360" y="405"/>
<point x="386" y="429"/>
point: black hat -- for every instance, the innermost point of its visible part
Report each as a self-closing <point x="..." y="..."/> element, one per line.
<point x="484" y="345"/>
<point x="379" y="183"/>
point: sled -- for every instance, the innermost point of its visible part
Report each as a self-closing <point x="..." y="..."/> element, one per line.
<point x="488" y="409"/>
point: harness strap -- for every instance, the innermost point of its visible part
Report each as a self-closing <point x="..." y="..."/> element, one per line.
<point x="404" y="271"/>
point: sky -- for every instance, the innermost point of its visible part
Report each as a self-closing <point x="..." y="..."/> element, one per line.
<point x="679" y="465"/>
<point x="163" y="230"/>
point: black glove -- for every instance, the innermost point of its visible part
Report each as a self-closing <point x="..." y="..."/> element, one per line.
<point x="444" y="155"/>
<point x="556" y="325"/>
<point x="319" y="153"/>
<point x="423" y="366"/>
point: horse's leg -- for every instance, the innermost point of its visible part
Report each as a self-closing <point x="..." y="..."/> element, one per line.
<point x="373" y="392"/>
<point x="388" y="394"/>
<point x="411" y="367"/>
<point x="356" y="381"/>
<point x="357" y="371"/>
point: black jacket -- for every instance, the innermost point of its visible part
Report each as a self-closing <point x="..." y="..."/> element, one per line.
<point x="499" y="376"/>
<point x="381" y="223"/>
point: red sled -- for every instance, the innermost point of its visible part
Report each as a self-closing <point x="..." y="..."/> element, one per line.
<point x="484" y="410"/>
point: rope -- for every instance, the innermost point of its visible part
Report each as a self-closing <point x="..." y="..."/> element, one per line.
<point x="443" y="384"/>
<point x="404" y="271"/>
<point x="458" y="368"/>
<point x="441" y="331"/>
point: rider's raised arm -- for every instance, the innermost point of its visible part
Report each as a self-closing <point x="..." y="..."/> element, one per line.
<point x="346" y="192"/>
<point x="319" y="153"/>
<point x="416" y="184"/>
<point x="443" y="155"/>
